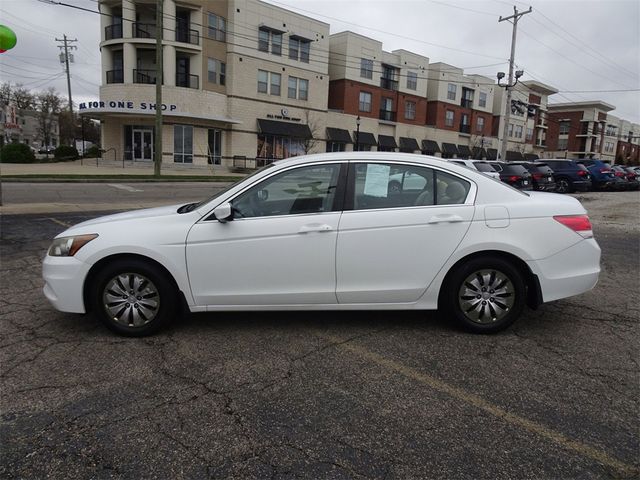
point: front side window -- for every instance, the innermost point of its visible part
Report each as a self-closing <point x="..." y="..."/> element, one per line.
<point x="366" y="68"/>
<point x="183" y="144"/>
<point x="379" y="185"/>
<point x="451" y="91"/>
<point x="303" y="190"/>
<point x="412" y="80"/>
<point x="365" y="102"/>
<point x="410" y="110"/>
<point x="217" y="27"/>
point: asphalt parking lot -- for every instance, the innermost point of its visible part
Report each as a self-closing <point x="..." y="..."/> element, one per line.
<point x="323" y="395"/>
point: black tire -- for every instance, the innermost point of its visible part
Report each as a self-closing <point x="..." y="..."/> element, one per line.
<point x="502" y="305"/>
<point x="563" y="185"/>
<point x="148" y="302"/>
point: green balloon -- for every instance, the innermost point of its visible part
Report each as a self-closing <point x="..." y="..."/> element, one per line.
<point x="7" y="38"/>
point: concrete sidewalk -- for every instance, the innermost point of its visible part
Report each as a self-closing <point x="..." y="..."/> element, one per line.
<point x="90" y="166"/>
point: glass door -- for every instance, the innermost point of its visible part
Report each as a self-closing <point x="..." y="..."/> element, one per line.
<point x="142" y="145"/>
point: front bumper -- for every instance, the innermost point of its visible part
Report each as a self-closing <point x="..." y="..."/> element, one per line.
<point x="64" y="282"/>
<point x="570" y="272"/>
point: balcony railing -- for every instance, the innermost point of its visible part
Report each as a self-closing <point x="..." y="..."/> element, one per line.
<point x="115" y="76"/>
<point x="465" y="103"/>
<point x="186" y="35"/>
<point x="113" y="31"/>
<point x="144" y="76"/>
<point x="388" y="83"/>
<point x="465" y="128"/>
<point x="388" y="115"/>
<point x="144" y="30"/>
<point x="187" y="80"/>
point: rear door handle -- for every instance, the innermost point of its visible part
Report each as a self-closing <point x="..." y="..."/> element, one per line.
<point x="315" y="227"/>
<point x="445" y="219"/>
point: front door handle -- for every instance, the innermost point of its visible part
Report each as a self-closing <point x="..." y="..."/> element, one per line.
<point x="445" y="219"/>
<point x="315" y="227"/>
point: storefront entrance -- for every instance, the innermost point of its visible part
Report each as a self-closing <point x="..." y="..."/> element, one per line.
<point x="142" y="142"/>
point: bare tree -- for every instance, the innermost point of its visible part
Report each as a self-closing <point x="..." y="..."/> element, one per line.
<point x="23" y="98"/>
<point x="49" y="106"/>
<point x="5" y="93"/>
<point x="310" y="143"/>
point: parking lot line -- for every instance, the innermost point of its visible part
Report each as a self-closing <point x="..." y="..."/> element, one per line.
<point x="479" y="402"/>
<point x="59" y="222"/>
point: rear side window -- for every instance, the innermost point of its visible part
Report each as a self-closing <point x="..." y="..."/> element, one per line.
<point x="379" y="185"/>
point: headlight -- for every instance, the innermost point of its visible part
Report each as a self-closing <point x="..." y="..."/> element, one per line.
<point x="69" y="246"/>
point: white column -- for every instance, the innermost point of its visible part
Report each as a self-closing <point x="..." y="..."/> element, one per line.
<point x="129" y="61"/>
<point x="106" y="57"/>
<point x="169" y="51"/>
<point x="169" y="20"/>
<point x="105" y="18"/>
<point x="128" y="17"/>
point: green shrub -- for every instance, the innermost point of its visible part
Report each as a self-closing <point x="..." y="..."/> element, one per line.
<point x="65" y="152"/>
<point x="17" y="153"/>
<point x="92" y="152"/>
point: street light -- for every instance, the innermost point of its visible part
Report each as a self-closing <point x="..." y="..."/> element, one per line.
<point x="358" y="133"/>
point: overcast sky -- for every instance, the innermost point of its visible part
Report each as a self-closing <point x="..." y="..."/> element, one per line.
<point x="580" y="47"/>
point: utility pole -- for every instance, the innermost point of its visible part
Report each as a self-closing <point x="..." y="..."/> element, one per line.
<point x="66" y="46"/>
<point x="157" y="139"/>
<point x="507" y="112"/>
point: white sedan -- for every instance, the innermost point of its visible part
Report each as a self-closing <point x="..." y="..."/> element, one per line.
<point x="327" y="232"/>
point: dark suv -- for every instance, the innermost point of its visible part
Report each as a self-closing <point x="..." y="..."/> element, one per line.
<point x="601" y="175"/>
<point x="569" y="175"/>
<point x="541" y="175"/>
<point x="515" y="175"/>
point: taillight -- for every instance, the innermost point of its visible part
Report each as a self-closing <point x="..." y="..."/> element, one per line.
<point x="537" y="176"/>
<point x="515" y="178"/>
<point x="605" y="170"/>
<point x="582" y="173"/>
<point x="578" y="223"/>
<point x="618" y="174"/>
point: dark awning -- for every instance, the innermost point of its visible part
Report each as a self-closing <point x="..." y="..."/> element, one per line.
<point x="284" y="129"/>
<point x="513" y="156"/>
<point x="387" y="141"/>
<point x="478" y="153"/>
<point x="408" y="144"/>
<point x="449" y="148"/>
<point x="530" y="157"/>
<point x="338" y="135"/>
<point x="364" y="138"/>
<point x="492" y="154"/>
<point x="430" y="146"/>
<point x="464" y="151"/>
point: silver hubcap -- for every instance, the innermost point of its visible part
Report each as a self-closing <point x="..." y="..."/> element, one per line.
<point x="486" y="296"/>
<point x="131" y="299"/>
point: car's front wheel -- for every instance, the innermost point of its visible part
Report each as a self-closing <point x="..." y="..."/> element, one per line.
<point x="485" y="294"/>
<point x="563" y="186"/>
<point x="133" y="297"/>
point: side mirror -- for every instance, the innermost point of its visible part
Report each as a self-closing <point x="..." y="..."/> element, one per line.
<point x="223" y="213"/>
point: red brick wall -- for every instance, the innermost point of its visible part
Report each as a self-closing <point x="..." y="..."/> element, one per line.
<point x="345" y="95"/>
<point x="553" y="120"/>
<point x="534" y="99"/>
<point x="436" y="116"/>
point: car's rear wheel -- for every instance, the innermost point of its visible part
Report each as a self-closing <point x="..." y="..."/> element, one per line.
<point x="563" y="186"/>
<point x="486" y="294"/>
<point x="134" y="298"/>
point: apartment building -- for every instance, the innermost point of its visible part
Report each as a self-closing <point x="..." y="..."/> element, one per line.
<point x="628" y="141"/>
<point x="461" y="106"/>
<point x="528" y="122"/>
<point x="25" y="126"/>
<point x="241" y="78"/>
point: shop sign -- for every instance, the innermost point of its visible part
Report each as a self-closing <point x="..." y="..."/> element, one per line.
<point x="126" y="105"/>
<point x="284" y="115"/>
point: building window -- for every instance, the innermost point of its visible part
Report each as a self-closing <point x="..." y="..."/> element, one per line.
<point x="386" y="110"/>
<point x="563" y="143"/>
<point x="467" y="98"/>
<point x="518" y="131"/>
<point x="412" y="80"/>
<point x="266" y="37"/>
<point x="299" y="49"/>
<point x="298" y="88"/>
<point x="183" y="143"/>
<point x="274" y="89"/>
<point x="217" y="27"/>
<point x="365" y="102"/>
<point x="214" y="146"/>
<point x="449" y="117"/>
<point x="564" y="128"/>
<point x="410" y="110"/>
<point x="336" y="146"/>
<point x="271" y="146"/>
<point x="451" y="91"/>
<point x="263" y="81"/>
<point x="480" y="124"/>
<point x="366" y="68"/>
<point x="482" y="100"/>
<point x="269" y="82"/>
<point x="510" y="131"/>
<point x="529" y="134"/>
<point x="216" y="71"/>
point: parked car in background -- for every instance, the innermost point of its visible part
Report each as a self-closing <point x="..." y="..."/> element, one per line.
<point x="633" y="176"/>
<point x="569" y="175"/>
<point x="515" y="175"/>
<point x="629" y="178"/>
<point x="45" y="149"/>
<point x="541" y="176"/>
<point x="323" y="232"/>
<point x="479" y="165"/>
<point x="602" y="176"/>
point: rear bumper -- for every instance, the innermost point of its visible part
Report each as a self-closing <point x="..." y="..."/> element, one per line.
<point x="63" y="283"/>
<point x="582" y="185"/>
<point x="570" y="272"/>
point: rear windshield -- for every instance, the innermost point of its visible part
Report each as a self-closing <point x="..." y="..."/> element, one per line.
<point x="542" y="168"/>
<point x="484" y="167"/>
<point x="514" y="169"/>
